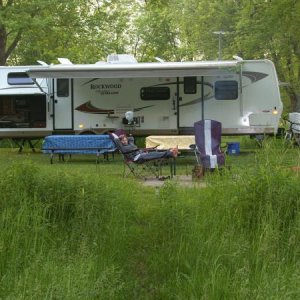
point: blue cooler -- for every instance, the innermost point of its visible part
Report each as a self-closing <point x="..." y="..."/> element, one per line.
<point x="233" y="148"/>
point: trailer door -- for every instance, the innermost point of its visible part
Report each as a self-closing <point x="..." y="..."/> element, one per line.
<point x="192" y="90"/>
<point x="63" y="104"/>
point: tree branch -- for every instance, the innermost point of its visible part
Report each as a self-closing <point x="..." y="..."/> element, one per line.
<point x="14" y="43"/>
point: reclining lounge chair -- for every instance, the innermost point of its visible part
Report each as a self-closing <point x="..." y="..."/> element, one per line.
<point x="139" y="167"/>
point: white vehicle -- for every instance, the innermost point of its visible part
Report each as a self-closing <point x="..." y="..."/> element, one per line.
<point x="166" y="98"/>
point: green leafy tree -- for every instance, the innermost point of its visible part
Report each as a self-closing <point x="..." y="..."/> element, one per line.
<point x="24" y="24"/>
<point x="270" y="29"/>
<point x="51" y="34"/>
<point x="83" y="31"/>
<point x="157" y="32"/>
<point x="107" y="29"/>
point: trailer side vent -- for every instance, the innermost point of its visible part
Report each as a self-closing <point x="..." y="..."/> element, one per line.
<point x="155" y="93"/>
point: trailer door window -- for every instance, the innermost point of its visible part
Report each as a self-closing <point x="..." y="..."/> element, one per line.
<point x="155" y="93"/>
<point x="226" y="90"/>
<point x="17" y="78"/>
<point x="62" y="87"/>
<point x="190" y="85"/>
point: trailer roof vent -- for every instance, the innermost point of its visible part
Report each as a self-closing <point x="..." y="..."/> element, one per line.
<point x="100" y="62"/>
<point x="64" y="61"/>
<point x="121" y="59"/>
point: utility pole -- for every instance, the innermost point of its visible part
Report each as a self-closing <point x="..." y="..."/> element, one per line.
<point x="220" y="33"/>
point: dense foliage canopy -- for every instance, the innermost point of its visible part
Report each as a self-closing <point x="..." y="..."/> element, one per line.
<point x="87" y="31"/>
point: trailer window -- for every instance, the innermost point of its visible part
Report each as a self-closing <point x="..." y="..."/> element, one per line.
<point x="226" y="90"/>
<point x="155" y="93"/>
<point x="18" y="78"/>
<point x="190" y="85"/>
<point x="62" y="87"/>
<point x="23" y="111"/>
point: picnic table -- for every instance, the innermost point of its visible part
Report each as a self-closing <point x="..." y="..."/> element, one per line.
<point x="77" y="144"/>
<point x="165" y="142"/>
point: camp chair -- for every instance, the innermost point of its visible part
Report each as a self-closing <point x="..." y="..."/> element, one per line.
<point x="139" y="169"/>
<point x="208" y="141"/>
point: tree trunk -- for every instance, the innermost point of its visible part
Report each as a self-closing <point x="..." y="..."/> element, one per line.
<point x="3" y="56"/>
<point x="295" y="101"/>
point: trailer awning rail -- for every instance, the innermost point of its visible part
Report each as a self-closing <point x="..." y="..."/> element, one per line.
<point x="168" y="69"/>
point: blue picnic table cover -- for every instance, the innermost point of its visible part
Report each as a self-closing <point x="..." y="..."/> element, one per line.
<point x="81" y="144"/>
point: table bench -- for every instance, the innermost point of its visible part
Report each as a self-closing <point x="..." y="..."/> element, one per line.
<point x="78" y="144"/>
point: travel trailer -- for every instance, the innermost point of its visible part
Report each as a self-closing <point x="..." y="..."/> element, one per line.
<point x="163" y="98"/>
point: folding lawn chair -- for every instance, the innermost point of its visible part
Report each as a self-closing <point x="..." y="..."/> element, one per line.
<point x="138" y="168"/>
<point x="208" y="141"/>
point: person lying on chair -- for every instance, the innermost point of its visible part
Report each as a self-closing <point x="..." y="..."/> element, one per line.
<point x="140" y="155"/>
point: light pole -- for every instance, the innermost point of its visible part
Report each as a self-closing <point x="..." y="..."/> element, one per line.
<point x="220" y="33"/>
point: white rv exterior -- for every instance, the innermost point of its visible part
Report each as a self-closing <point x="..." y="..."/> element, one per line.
<point x="166" y="98"/>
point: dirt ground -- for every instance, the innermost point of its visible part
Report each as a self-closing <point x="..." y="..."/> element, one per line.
<point x="182" y="180"/>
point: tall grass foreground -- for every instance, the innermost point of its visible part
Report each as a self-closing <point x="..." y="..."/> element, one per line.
<point x="74" y="236"/>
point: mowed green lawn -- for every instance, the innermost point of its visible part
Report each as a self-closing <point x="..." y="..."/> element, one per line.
<point x="287" y="154"/>
<point x="77" y="230"/>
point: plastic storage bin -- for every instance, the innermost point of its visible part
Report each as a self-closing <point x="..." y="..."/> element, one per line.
<point x="233" y="148"/>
